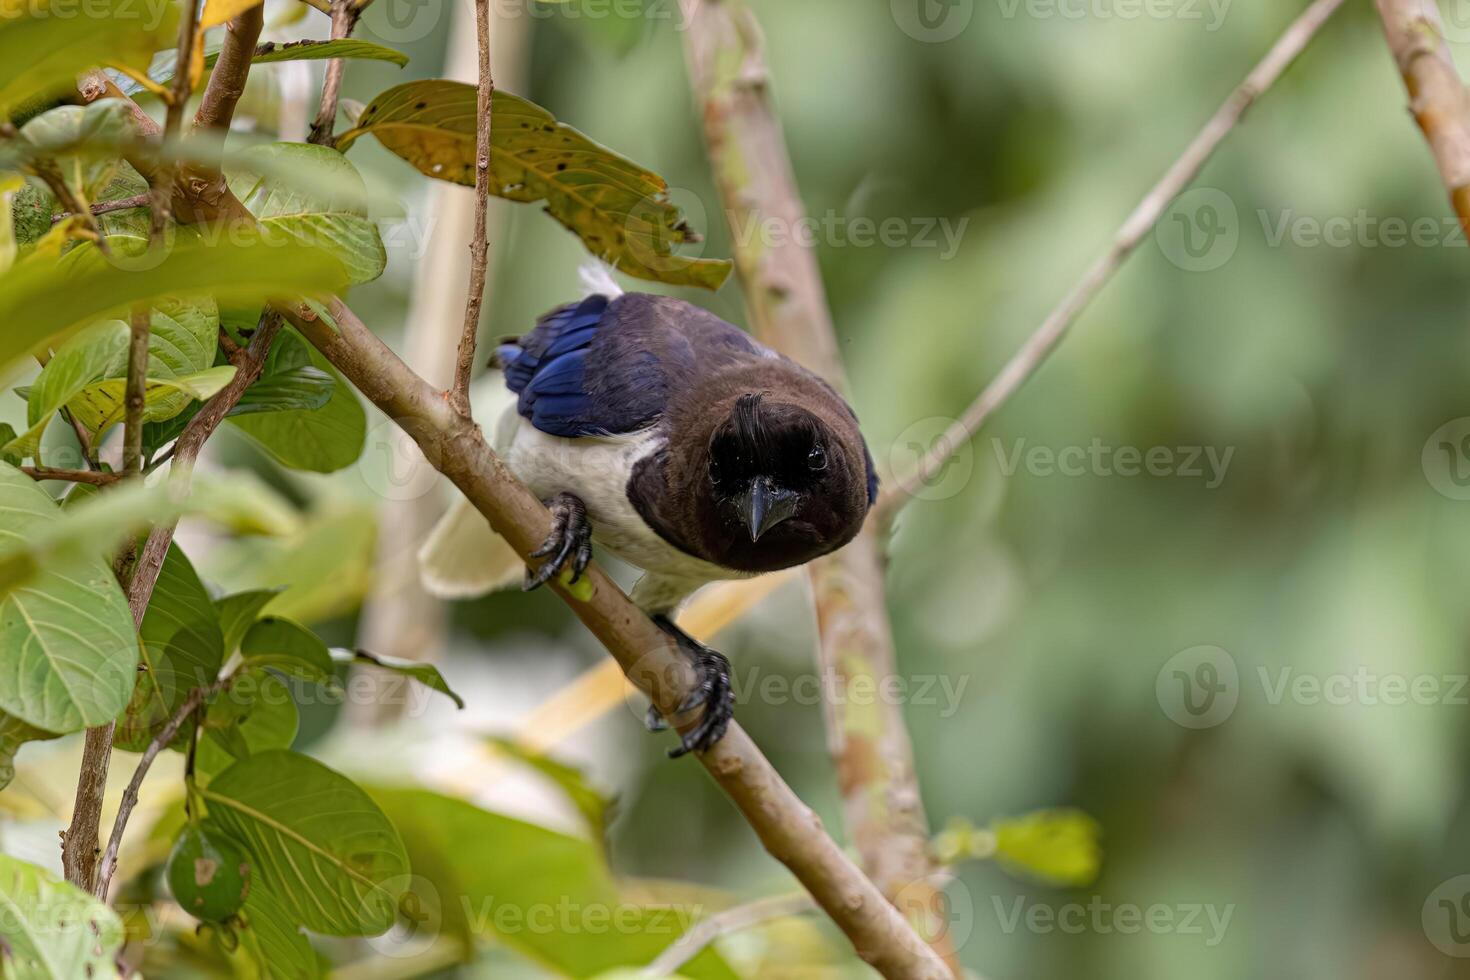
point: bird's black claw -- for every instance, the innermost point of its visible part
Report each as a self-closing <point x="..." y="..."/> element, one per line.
<point x="570" y="540"/>
<point x="713" y="693"/>
<point x="654" y="721"/>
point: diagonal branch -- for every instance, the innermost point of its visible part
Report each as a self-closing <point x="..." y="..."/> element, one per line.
<point x="1045" y="339"/>
<point x="1437" y="97"/>
<point x="788" y="307"/>
<point x="459" y="392"/>
<point x="789" y="829"/>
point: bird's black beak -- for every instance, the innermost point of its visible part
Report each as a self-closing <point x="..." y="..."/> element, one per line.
<point x="763" y="505"/>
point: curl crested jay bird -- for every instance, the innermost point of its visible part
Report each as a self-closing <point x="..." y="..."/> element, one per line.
<point x="671" y="438"/>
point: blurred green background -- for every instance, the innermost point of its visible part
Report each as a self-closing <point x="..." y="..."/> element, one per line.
<point x="1312" y="824"/>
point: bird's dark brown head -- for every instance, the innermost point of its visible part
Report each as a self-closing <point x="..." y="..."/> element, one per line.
<point x="782" y="485"/>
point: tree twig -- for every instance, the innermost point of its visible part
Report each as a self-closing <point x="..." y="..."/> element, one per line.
<point x="789" y="829"/>
<point x="130" y="795"/>
<point x="1438" y="98"/>
<point x="160" y="189"/>
<point x="135" y="398"/>
<point x="874" y="756"/>
<point x="107" y="207"/>
<point x="344" y="19"/>
<point x="459" y="393"/>
<point x="1045" y="339"/>
<point x="737" y="919"/>
<point x="94" y="477"/>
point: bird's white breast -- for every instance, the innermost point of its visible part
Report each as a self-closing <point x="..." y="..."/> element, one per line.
<point x="597" y="470"/>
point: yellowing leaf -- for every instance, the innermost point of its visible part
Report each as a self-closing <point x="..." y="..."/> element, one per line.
<point x="620" y="210"/>
<point x="216" y="12"/>
<point x="1057" y="846"/>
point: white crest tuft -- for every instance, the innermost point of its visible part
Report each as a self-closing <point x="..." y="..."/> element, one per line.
<point x="597" y="280"/>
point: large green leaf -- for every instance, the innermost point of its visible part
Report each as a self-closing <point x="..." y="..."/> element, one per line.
<point x="98" y="522"/>
<point x="53" y="930"/>
<point x="321" y="440"/>
<point x="273" y="942"/>
<point x="620" y="210"/>
<point x="82" y="142"/>
<point x="183" y="648"/>
<point x="288" y="647"/>
<point x="41" y="302"/>
<point x="333" y="860"/>
<point x="83" y="358"/>
<point x="494" y="875"/>
<point x="67" y="645"/>
<point x="42" y="50"/>
<point x="321" y="203"/>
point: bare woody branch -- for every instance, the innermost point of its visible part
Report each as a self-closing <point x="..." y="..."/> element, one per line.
<point x="94" y="477"/>
<point x="344" y="19"/>
<point x="790" y="831"/>
<point x="788" y="309"/>
<point x="459" y="392"/>
<point x="1437" y="98"/>
<point x="1045" y="339"/>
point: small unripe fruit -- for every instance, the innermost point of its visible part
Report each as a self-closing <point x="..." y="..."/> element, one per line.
<point x="208" y="875"/>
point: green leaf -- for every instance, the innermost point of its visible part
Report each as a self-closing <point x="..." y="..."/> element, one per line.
<point x="238" y="612"/>
<point x="82" y="359"/>
<point x="319" y="843"/>
<point x="273" y="942"/>
<point x="620" y="210"/>
<point x="82" y="141"/>
<point x="71" y="655"/>
<point x="299" y="389"/>
<point x="256" y="713"/>
<point x="492" y="873"/>
<point x="103" y="404"/>
<point x="320" y="204"/>
<point x="288" y="647"/>
<point x="322" y="440"/>
<point x="13" y="734"/>
<point x="98" y="522"/>
<point x="183" y="648"/>
<point x="53" y="930"/>
<point x="426" y="674"/>
<point x="42" y="302"/>
<point x="340" y="48"/>
<point x="41" y="50"/>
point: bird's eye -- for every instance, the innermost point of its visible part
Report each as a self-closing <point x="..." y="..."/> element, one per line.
<point x="816" y="460"/>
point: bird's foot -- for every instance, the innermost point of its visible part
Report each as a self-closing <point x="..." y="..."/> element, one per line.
<point x="713" y="692"/>
<point x="570" y="540"/>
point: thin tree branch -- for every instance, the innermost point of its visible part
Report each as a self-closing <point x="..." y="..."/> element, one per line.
<point x="1045" y="339"/>
<point x="874" y="756"/>
<point x="790" y="831"/>
<point x="459" y="393"/>
<point x="130" y="795"/>
<point x="737" y="919"/>
<point x="135" y="398"/>
<point x="107" y="207"/>
<point x="93" y="477"/>
<point x="344" y="19"/>
<point x="1438" y="98"/>
<point x="160" y="189"/>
